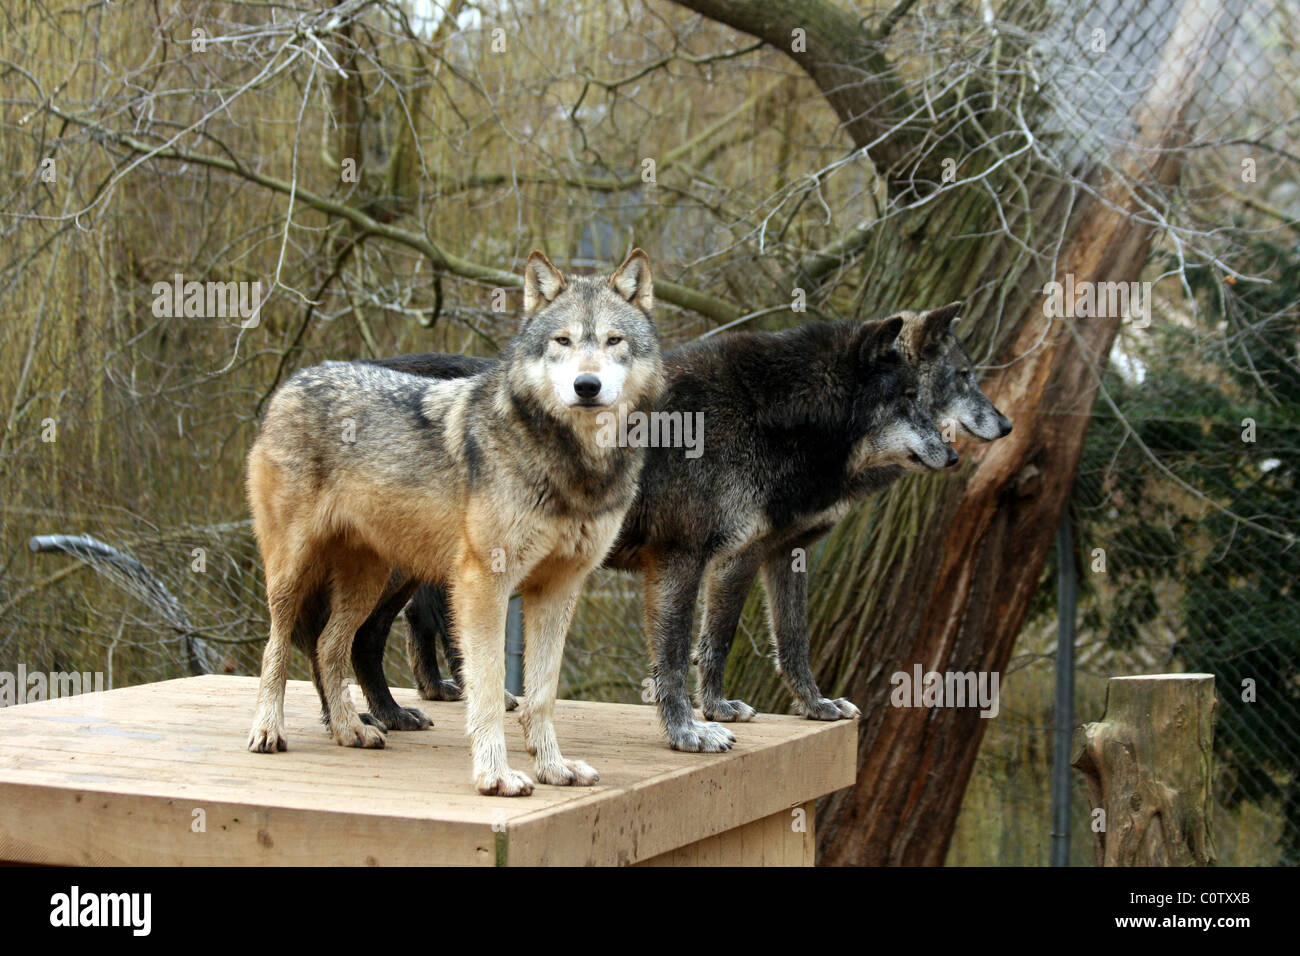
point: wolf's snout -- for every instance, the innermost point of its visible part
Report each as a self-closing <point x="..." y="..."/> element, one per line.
<point x="586" y="386"/>
<point x="951" y="461"/>
<point x="1004" y="425"/>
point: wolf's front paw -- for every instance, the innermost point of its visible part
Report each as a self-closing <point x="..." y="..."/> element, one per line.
<point x="568" y="773"/>
<point x="441" y="690"/>
<point x="400" y="718"/>
<point x="728" y="710"/>
<point x="847" y="708"/>
<point x="508" y="783"/>
<point x="823" y="709"/>
<point x="267" y="736"/>
<point x="360" y="735"/>
<point x="701" y="738"/>
<point x="266" y="740"/>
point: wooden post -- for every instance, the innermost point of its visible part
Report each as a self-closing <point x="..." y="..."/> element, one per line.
<point x="1148" y="765"/>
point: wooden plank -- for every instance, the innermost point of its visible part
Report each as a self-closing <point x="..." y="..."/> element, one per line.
<point x="772" y="841"/>
<point x="708" y="852"/>
<point x="777" y="833"/>
<point x="731" y="846"/>
<point x="69" y="827"/>
<point x="116" y="778"/>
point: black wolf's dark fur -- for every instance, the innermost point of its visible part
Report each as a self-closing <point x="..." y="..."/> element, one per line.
<point x="436" y="364"/>
<point x="787" y="410"/>
<point x="801" y="400"/>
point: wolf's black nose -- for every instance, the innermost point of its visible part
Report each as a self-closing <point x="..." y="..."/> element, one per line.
<point x="586" y="385"/>
<point x="1004" y="425"/>
<point x="952" y="457"/>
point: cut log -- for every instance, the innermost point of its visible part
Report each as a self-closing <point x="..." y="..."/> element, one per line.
<point x="1148" y="763"/>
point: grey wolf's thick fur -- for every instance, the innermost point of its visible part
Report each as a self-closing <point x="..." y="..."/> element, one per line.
<point x="486" y="484"/>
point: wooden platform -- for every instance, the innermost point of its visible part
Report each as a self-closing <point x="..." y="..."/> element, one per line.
<point x="126" y="777"/>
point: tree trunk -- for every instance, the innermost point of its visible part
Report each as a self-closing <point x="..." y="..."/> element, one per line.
<point x="842" y="56"/>
<point x="1148" y="768"/>
<point x="942" y="569"/>
<point x="958" y="598"/>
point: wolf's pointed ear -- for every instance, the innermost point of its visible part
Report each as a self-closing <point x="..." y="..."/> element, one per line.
<point x="874" y="339"/>
<point x="542" y="281"/>
<point x="929" y="328"/>
<point x="945" y="316"/>
<point x="941" y="320"/>
<point x="633" y="282"/>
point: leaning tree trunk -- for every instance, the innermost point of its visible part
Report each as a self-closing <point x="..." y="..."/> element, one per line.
<point x="958" y="598"/>
<point x="1148" y="765"/>
<point x="946" y="567"/>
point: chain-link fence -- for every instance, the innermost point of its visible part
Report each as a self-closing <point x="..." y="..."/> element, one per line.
<point x="1185" y="518"/>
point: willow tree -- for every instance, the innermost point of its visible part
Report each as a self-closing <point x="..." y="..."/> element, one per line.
<point x="1017" y="144"/>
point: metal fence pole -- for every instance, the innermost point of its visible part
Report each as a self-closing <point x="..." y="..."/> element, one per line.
<point x="1063" y="724"/>
<point x="515" y="646"/>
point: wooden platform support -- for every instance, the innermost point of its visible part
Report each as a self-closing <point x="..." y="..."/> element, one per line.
<point x="158" y="774"/>
<point x="1148" y="765"/>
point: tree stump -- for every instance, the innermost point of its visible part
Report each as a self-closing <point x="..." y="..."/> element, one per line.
<point x="1148" y="763"/>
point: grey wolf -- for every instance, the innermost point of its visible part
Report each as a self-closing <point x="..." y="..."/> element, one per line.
<point x="484" y="484"/>
<point x="799" y="425"/>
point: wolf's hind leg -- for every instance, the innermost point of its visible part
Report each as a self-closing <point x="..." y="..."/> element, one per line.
<point x="312" y="615"/>
<point x="358" y="583"/>
<point x="368" y="663"/>
<point x="548" y="609"/>
<point x="725" y="588"/>
<point x="672" y="581"/>
<point x="479" y="599"/>
<point x="787" y="605"/>
<point x="320" y="688"/>
<point x="285" y="586"/>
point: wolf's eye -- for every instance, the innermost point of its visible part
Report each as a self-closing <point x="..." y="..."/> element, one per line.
<point x="562" y="340"/>
<point x="614" y="340"/>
